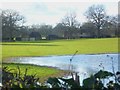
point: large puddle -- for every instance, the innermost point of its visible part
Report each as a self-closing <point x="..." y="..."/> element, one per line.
<point x="85" y="65"/>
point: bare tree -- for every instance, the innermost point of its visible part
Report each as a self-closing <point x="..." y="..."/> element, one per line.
<point x="96" y="14"/>
<point x="71" y="23"/>
<point x="114" y="22"/>
<point x="70" y="20"/>
<point x="11" y="20"/>
<point x="111" y="26"/>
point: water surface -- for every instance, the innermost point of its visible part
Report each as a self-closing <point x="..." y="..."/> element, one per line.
<point x="85" y="65"/>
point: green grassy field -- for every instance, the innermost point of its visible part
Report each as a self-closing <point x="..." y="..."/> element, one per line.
<point x="59" y="47"/>
<point x="42" y="72"/>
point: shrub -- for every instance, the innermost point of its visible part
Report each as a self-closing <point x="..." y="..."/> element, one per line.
<point x="15" y="80"/>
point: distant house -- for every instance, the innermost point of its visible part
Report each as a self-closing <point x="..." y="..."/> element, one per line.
<point x="34" y="36"/>
<point x="52" y="37"/>
<point x="84" y="35"/>
<point x="25" y="37"/>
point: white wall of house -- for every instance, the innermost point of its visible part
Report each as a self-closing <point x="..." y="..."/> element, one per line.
<point x="25" y="39"/>
<point x="32" y="39"/>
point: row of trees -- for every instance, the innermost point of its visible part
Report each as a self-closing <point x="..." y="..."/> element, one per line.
<point x="98" y="24"/>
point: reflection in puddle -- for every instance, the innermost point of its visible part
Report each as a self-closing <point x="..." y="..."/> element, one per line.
<point x="84" y="64"/>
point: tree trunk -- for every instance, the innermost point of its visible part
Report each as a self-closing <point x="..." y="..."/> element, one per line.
<point x="98" y="32"/>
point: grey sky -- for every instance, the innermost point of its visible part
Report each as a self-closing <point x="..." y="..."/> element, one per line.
<point x="53" y="12"/>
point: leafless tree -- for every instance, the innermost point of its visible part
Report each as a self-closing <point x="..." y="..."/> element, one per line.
<point x="11" y="20"/>
<point x="70" y="21"/>
<point x="111" y="26"/>
<point x="96" y="14"/>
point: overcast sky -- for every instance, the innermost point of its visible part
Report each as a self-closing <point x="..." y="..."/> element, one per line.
<point x="52" y="12"/>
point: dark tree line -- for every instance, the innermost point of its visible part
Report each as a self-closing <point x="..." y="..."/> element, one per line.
<point x="99" y="25"/>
